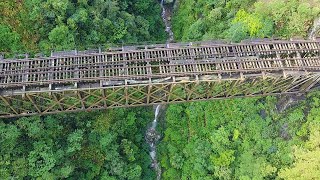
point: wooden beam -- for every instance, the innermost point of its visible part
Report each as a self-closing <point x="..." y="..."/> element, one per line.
<point x="34" y="104"/>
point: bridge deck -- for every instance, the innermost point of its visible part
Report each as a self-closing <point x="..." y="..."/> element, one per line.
<point x="111" y="67"/>
<point x="154" y="64"/>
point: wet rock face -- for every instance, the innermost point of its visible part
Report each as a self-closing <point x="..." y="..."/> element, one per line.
<point x="315" y="29"/>
<point x="152" y="136"/>
<point x="288" y="101"/>
<point x="168" y="1"/>
<point x="284" y="132"/>
<point x="167" y="7"/>
<point x="263" y="114"/>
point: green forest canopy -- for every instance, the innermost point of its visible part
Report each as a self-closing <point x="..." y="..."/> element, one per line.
<point x="225" y="139"/>
<point x="40" y="25"/>
<point x="241" y="19"/>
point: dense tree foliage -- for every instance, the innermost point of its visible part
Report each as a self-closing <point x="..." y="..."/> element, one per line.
<point x="9" y="40"/>
<point x="225" y="139"/>
<point x="240" y="19"/>
<point x="66" y="24"/>
<point x="241" y="139"/>
<point x="107" y="145"/>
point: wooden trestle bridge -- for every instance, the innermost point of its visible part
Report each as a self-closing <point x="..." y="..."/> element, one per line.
<point x="154" y="74"/>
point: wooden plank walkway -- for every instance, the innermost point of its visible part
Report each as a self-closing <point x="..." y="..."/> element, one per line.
<point x="167" y="66"/>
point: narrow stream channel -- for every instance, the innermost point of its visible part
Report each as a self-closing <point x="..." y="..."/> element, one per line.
<point x="152" y="136"/>
<point x="315" y="29"/>
<point x="166" y="17"/>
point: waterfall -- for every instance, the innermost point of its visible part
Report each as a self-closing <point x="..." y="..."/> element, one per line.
<point x="152" y="137"/>
<point x="154" y="123"/>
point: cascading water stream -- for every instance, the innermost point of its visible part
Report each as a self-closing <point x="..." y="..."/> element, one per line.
<point x="156" y="113"/>
<point x="166" y="17"/>
<point x="315" y="28"/>
<point x="152" y="136"/>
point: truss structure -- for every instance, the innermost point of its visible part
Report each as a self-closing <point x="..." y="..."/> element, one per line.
<point x="155" y="74"/>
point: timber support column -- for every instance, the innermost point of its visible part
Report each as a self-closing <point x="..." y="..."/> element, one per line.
<point x="50" y="74"/>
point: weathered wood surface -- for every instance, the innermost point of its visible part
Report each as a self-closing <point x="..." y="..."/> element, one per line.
<point x="137" y="75"/>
